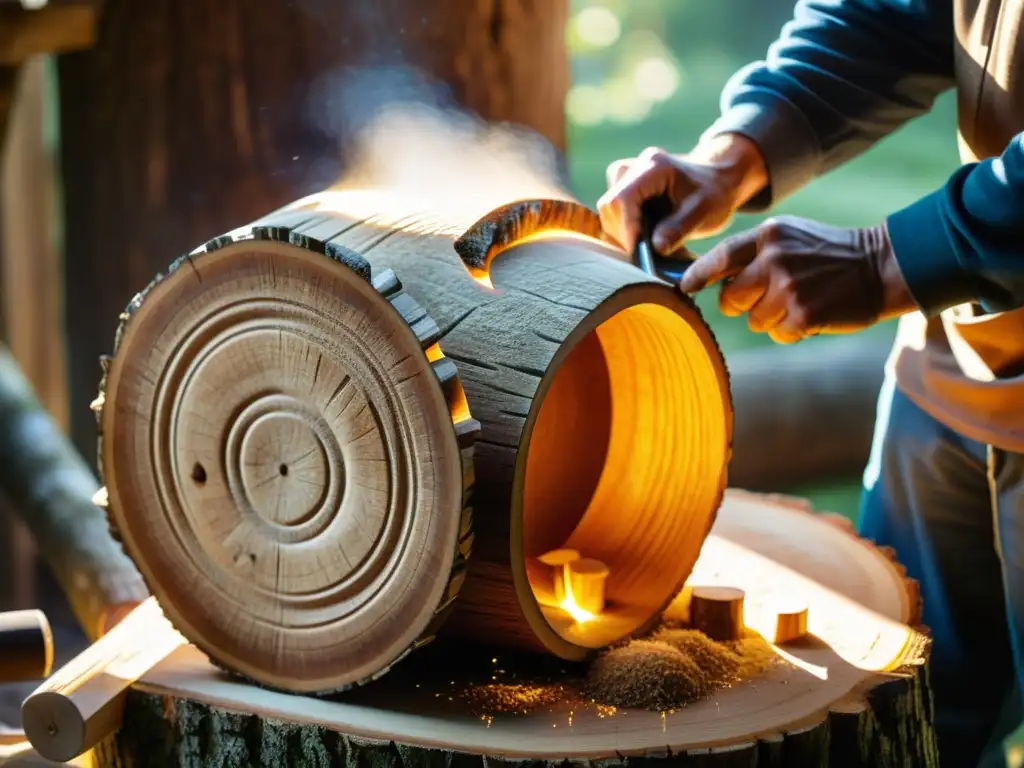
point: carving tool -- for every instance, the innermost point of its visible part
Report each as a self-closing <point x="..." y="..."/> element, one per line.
<point x="671" y="269"/>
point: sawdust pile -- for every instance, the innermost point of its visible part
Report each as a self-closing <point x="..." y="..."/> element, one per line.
<point x="645" y="674"/>
<point x="673" y="668"/>
<point x="515" y="698"/>
<point x="665" y="671"/>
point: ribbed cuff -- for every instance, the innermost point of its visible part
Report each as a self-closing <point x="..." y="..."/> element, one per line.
<point x="785" y="138"/>
<point x="926" y="256"/>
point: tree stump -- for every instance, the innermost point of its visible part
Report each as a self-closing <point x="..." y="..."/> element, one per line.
<point x="281" y="442"/>
<point x="855" y="692"/>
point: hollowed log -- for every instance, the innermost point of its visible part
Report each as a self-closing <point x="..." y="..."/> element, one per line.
<point x="230" y="437"/>
<point x="286" y="453"/>
<point x="602" y="396"/>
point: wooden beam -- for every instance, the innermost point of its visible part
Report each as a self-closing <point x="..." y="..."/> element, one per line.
<point x="82" y="703"/>
<point x="31" y="274"/>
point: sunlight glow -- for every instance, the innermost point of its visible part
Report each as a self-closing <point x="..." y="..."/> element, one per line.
<point x="623" y="103"/>
<point x="585" y="105"/>
<point x="570" y="606"/>
<point x="597" y="26"/>
<point x="656" y="78"/>
<point x="858" y="635"/>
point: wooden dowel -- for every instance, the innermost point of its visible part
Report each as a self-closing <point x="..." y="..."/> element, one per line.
<point x="585" y="580"/>
<point x="783" y="620"/>
<point x="557" y="560"/>
<point x="84" y="700"/>
<point x="791" y="624"/>
<point x="717" y="612"/>
<point x="547" y="575"/>
<point x="26" y="646"/>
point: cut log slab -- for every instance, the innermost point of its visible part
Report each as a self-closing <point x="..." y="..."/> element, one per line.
<point x="855" y="695"/>
<point x="601" y="392"/>
<point x="287" y="459"/>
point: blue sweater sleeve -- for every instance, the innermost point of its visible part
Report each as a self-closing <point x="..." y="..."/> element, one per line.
<point x="965" y="242"/>
<point x="842" y="75"/>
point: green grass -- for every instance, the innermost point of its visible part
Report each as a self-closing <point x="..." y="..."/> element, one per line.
<point x="894" y="173"/>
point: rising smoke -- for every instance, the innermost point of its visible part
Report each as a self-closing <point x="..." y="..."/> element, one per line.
<point x="404" y="134"/>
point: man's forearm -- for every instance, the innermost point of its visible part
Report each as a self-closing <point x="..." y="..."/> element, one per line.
<point x="842" y="75"/>
<point x="965" y="242"/>
<point x="738" y="159"/>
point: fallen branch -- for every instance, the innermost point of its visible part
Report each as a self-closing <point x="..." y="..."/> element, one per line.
<point x="51" y="489"/>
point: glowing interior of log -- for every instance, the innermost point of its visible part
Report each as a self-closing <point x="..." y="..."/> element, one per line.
<point x="571" y="607"/>
<point x="629" y="426"/>
<point x="459" y="403"/>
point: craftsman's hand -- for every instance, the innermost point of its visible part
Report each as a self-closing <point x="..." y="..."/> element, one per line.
<point x="798" y="278"/>
<point x="706" y="186"/>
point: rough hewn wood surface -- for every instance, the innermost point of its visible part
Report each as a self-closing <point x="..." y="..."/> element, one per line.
<point x="187" y="119"/>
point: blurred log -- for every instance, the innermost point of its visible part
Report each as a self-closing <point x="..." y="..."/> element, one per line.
<point x="804" y="412"/>
<point x="178" y="124"/>
<point x="26" y="646"/>
<point x="52" y="488"/>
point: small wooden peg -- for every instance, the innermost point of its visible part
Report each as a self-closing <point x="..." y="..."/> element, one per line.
<point x="551" y="577"/>
<point x="717" y="612"/>
<point x="586" y="579"/>
<point x="789" y="621"/>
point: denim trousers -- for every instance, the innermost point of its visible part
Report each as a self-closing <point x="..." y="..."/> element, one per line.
<point x="953" y="509"/>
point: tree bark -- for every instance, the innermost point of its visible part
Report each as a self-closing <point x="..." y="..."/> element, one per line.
<point x="892" y="731"/>
<point x="187" y="118"/>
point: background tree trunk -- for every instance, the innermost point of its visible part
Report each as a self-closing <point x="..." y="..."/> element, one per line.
<point x="188" y="118"/>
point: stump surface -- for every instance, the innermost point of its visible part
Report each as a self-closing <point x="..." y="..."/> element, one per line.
<point x="855" y="693"/>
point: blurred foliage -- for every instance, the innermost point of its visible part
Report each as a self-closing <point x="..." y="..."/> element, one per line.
<point x="650" y="73"/>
